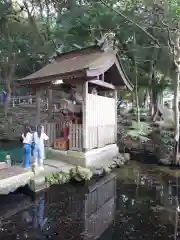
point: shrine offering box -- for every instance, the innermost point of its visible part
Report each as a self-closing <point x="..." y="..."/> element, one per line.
<point x="61" y="144"/>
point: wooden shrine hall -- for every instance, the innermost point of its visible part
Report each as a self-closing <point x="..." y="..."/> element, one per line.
<point x="85" y="128"/>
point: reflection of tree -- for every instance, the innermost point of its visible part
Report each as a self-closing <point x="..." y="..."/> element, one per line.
<point x="150" y="195"/>
<point x="168" y="197"/>
<point x="177" y="207"/>
<point x="137" y="183"/>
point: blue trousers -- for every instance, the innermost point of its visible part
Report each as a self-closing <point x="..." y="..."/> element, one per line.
<point x="27" y="155"/>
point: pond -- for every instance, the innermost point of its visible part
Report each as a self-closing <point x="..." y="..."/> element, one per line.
<point x="146" y="207"/>
<point x="13" y="148"/>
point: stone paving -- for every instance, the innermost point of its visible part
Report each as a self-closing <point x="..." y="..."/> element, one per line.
<point x="14" y="177"/>
<point x="11" y="172"/>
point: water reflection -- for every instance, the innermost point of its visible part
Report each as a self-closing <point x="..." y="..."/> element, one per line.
<point x="37" y="217"/>
<point x="148" y="204"/>
<point x="147" y="207"/>
<point x="65" y="212"/>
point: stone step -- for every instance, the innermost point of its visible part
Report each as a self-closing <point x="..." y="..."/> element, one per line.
<point x="3" y="165"/>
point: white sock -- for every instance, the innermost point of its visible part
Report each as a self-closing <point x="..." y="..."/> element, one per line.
<point x="41" y="163"/>
<point x="35" y="163"/>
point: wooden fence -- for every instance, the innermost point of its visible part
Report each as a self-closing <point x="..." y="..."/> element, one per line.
<point x="28" y="100"/>
<point x="98" y="137"/>
<point x="59" y="129"/>
<point x="75" y="137"/>
<point x="54" y="130"/>
<point x="50" y="130"/>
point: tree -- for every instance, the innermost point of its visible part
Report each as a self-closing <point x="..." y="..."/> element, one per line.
<point x="8" y="55"/>
<point x="169" y="15"/>
<point x="37" y="29"/>
<point x="163" y="18"/>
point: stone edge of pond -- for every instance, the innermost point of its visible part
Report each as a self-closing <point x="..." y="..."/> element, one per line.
<point x="10" y="184"/>
<point x="38" y="184"/>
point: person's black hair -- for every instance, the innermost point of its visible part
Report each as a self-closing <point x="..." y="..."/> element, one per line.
<point x="26" y="129"/>
<point x="39" y="130"/>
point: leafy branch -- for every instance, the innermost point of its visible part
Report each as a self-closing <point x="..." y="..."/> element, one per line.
<point x="132" y="22"/>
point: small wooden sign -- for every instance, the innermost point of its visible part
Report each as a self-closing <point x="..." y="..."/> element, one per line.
<point x="61" y="144"/>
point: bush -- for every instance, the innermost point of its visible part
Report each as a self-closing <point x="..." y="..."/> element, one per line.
<point x="139" y="131"/>
<point x="167" y="141"/>
<point x="77" y="173"/>
<point x="58" y="178"/>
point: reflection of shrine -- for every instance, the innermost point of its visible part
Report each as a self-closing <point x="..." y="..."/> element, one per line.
<point x="68" y="212"/>
<point x="87" y="212"/>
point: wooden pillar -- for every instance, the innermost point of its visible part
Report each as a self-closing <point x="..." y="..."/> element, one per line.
<point x="115" y="99"/>
<point x="84" y="111"/>
<point x="49" y="96"/>
<point x="38" y="105"/>
<point x="102" y="77"/>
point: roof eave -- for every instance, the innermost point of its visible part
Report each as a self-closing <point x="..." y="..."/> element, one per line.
<point x="45" y="79"/>
<point x="123" y="74"/>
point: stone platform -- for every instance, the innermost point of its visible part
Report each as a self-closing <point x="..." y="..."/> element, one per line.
<point x="100" y="157"/>
<point x="37" y="182"/>
<point x="12" y="178"/>
<point x="15" y="177"/>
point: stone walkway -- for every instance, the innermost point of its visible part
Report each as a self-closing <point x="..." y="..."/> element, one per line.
<point x="50" y="167"/>
<point x="37" y="183"/>
<point x="14" y="177"/>
<point x="11" y="172"/>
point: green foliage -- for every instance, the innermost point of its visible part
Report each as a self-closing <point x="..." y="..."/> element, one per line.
<point x="33" y="32"/>
<point x="58" y="178"/>
<point x="108" y="169"/>
<point x="79" y="174"/>
<point x="167" y="140"/>
<point x="49" y="154"/>
<point x="139" y="130"/>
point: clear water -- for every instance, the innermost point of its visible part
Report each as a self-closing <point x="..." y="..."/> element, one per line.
<point x="12" y="148"/>
<point x="146" y="208"/>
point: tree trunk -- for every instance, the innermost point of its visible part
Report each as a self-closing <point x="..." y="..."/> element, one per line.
<point x="151" y="77"/>
<point x="146" y="98"/>
<point x="152" y="80"/>
<point x="154" y="101"/>
<point x="7" y="103"/>
<point x="33" y="23"/>
<point x="176" y="116"/>
<point x="7" y="84"/>
<point x="136" y="89"/>
<point x="160" y="98"/>
<point x="176" y="57"/>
